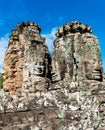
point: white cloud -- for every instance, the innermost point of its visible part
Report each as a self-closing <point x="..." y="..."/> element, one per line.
<point x="3" y="46"/>
<point x="50" y="39"/>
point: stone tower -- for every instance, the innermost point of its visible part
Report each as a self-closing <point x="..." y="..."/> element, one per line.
<point x="76" y="54"/>
<point x="27" y="61"/>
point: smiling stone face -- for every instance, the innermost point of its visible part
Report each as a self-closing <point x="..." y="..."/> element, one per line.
<point x="92" y="59"/>
<point x="39" y="68"/>
<point x="93" y="71"/>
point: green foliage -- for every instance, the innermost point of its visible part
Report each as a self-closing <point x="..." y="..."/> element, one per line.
<point x="1" y="80"/>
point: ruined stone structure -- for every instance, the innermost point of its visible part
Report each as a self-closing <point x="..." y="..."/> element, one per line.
<point x="67" y="93"/>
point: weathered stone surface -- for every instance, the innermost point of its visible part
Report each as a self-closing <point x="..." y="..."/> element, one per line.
<point x="70" y="96"/>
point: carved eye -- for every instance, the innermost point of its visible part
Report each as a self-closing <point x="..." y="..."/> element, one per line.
<point x="100" y="62"/>
<point x="92" y="61"/>
<point x="41" y="63"/>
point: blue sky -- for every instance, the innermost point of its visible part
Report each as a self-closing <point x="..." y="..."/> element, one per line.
<point x="50" y="14"/>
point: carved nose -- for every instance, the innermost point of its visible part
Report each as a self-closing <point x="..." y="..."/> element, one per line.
<point x="97" y="71"/>
<point x="98" y="68"/>
<point x="40" y="70"/>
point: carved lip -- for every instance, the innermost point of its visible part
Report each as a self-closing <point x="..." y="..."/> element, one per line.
<point x="97" y="74"/>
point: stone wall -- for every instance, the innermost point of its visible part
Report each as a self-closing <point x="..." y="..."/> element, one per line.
<point x="67" y="93"/>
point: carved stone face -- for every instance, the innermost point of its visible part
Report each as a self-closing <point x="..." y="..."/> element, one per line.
<point x="39" y="68"/>
<point x="55" y="73"/>
<point x="92" y="71"/>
